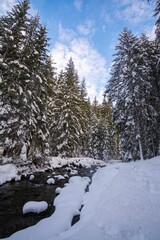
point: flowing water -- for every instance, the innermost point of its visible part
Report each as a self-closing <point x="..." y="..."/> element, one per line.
<point x="15" y="194"/>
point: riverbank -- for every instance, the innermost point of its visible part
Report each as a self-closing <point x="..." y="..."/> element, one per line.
<point x="11" y="170"/>
<point x="26" y="182"/>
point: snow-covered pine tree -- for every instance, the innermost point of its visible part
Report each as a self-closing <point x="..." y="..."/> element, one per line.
<point x="39" y="87"/>
<point x="157" y="42"/>
<point x="120" y="96"/>
<point x="13" y="72"/>
<point x="157" y="14"/>
<point x="129" y="89"/>
<point x="69" y="117"/>
<point x="101" y="140"/>
<point x="111" y="139"/>
<point x="25" y="88"/>
<point x="92" y="137"/>
<point x="50" y="76"/>
<point x="86" y="109"/>
<point x="149" y="96"/>
<point x="55" y="109"/>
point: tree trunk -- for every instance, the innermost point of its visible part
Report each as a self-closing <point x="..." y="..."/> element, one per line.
<point x="140" y="149"/>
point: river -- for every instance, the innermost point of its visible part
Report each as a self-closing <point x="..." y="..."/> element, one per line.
<point x="14" y="195"/>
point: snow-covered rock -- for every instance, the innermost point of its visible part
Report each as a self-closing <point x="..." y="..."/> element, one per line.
<point x="8" y="172"/>
<point x="59" y="177"/>
<point x="31" y="177"/>
<point x="35" y="207"/>
<point x="50" y="181"/>
<point x="58" y="190"/>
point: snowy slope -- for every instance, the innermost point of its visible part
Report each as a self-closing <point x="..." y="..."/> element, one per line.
<point x="123" y="203"/>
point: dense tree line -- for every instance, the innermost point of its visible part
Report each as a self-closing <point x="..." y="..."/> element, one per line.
<point x="42" y="113"/>
<point x="134" y="92"/>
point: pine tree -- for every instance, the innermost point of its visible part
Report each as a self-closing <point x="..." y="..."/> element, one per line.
<point x="101" y="139"/>
<point x="13" y="29"/>
<point x="69" y="119"/>
<point x="25" y="83"/>
<point x="40" y="88"/>
<point x="130" y="90"/>
<point x="150" y="96"/>
<point x="86" y="109"/>
<point x="157" y="13"/>
<point x="111" y="138"/>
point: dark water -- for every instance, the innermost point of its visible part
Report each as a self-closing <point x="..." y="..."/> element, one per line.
<point x="14" y="195"/>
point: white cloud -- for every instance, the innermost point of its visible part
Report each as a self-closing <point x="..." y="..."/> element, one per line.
<point x="6" y="5"/>
<point x="78" y="4"/>
<point x="134" y="11"/>
<point x="89" y="63"/>
<point x="66" y="34"/>
<point x="105" y="16"/>
<point x="87" y="28"/>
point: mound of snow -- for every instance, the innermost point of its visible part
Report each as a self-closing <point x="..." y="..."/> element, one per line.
<point x="8" y="172"/>
<point x="31" y="177"/>
<point x="35" y="207"/>
<point x="50" y="181"/>
<point x="58" y="190"/>
<point x="59" y="177"/>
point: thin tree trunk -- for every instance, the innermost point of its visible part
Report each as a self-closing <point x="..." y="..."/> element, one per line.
<point x="140" y="149"/>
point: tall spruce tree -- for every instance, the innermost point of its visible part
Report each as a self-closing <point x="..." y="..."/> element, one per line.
<point x="157" y="13"/>
<point x="69" y="120"/>
<point x="13" y="30"/>
<point x="101" y="140"/>
<point x="129" y="90"/>
<point x="25" y="87"/>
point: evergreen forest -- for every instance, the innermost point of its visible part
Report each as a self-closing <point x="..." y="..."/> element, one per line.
<point x="43" y="113"/>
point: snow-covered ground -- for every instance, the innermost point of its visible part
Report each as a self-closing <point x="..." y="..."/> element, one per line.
<point x="123" y="203"/>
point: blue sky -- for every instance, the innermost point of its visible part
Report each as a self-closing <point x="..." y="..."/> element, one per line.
<point x="87" y="31"/>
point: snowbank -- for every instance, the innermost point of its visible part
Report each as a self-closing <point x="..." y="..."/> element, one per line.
<point x="35" y="207"/>
<point x="57" y="162"/>
<point x="8" y="172"/>
<point x="123" y="203"/>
